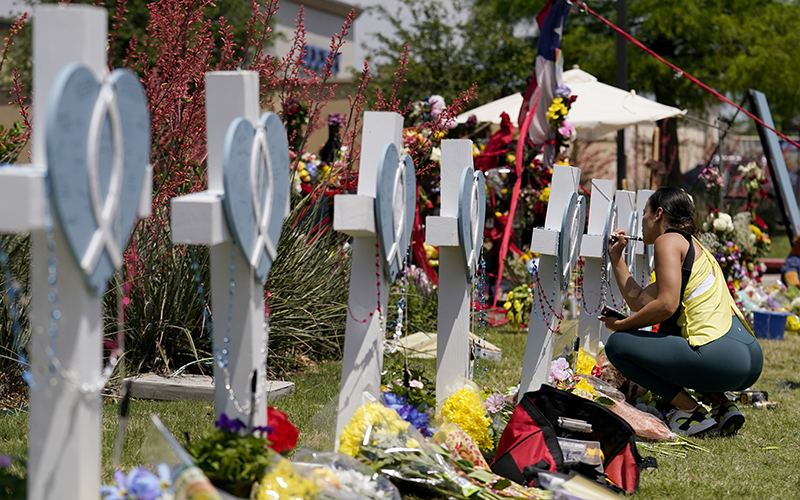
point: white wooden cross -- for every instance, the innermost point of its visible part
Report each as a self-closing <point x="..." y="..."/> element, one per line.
<point x="596" y="275"/>
<point x="558" y="244"/>
<point x="200" y="219"/>
<point x="625" y="202"/>
<point x="452" y="340"/>
<point x="643" y="254"/>
<point x="356" y="216"/>
<point x="65" y="419"/>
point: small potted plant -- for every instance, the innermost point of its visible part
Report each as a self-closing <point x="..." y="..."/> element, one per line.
<point x="235" y="458"/>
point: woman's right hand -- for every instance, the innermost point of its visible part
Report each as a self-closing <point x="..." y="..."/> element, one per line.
<point x="617" y="243"/>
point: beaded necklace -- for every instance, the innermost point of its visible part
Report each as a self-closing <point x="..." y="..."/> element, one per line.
<point x="378" y="308"/>
<point x="221" y="356"/>
<point x="391" y="344"/>
<point x="479" y="282"/>
<point x="55" y="367"/>
<point x="541" y="296"/>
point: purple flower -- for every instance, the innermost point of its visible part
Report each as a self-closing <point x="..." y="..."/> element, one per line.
<point x="562" y="91"/>
<point x="118" y="491"/>
<point x="228" y="425"/>
<point x="471" y="122"/>
<point x="311" y="169"/>
<point x="144" y="485"/>
<point x="394" y="401"/>
<point x="407" y="412"/>
<point x="494" y="403"/>
<point x="336" y="119"/>
<point x="5" y="461"/>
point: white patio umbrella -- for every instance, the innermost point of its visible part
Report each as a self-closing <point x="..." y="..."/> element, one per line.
<point x="599" y="109"/>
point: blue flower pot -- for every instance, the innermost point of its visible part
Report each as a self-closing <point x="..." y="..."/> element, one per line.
<point x="769" y="324"/>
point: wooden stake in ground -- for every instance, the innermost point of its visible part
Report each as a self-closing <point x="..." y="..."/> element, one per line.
<point x="463" y="200"/>
<point x="379" y="219"/>
<point x="80" y="202"/>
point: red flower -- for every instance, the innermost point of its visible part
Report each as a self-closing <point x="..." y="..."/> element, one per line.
<point x="283" y="433"/>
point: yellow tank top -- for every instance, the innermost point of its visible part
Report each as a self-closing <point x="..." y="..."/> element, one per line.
<point x="707" y="316"/>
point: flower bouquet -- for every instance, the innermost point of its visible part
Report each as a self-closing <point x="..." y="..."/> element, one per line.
<point x="140" y="484"/>
<point x="466" y="409"/>
<point x="557" y="113"/>
<point x="518" y="305"/>
<point x="235" y="458"/>
<point x="468" y="458"/>
<point x="377" y="436"/>
<point x="585" y="383"/>
<point x="346" y="474"/>
<point x="411" y="394"/>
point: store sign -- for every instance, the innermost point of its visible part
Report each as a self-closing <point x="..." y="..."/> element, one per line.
<point x="316" y="57"/>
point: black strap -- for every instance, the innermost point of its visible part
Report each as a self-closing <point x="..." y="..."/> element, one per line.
<point x="670" y="326"/>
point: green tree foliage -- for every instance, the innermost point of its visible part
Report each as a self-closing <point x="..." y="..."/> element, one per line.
<point x="449" y="49"/>
<point x="731" y="45"/>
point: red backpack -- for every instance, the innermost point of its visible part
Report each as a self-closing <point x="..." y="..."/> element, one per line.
<point x="529" y="443"/>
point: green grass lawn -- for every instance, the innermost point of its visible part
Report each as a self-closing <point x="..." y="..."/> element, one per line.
<point x="761" y="462"/>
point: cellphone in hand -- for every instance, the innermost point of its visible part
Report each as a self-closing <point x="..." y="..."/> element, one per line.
<point x="612" y="313"/>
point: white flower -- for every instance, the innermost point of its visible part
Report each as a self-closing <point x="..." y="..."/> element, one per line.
<point x="436" y="154"/>
<point x="723" y="223"/>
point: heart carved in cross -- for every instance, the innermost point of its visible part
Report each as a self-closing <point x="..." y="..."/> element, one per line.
<point x="471" y="216"/>
<point x="98" y="149"/>
<point x="395" y="203"/>
<point x="255" y="172"/>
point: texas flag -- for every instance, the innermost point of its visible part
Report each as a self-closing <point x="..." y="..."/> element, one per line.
<point x="549" y="67"/>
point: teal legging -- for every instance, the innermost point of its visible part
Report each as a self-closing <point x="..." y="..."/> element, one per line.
<point x="665" y="364"/>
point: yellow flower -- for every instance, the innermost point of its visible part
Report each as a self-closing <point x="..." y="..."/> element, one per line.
<point x="507" y="305"/>
<point x="545" y="196"/>
<point x="465" y="409"/>
<point x="511" y="158"/>
<point x="526" y="257"/>
<point x="510" y="314"/>
<point x="585" y="363"/>
<point x="431" y="252"/>
<point x="305" y="176"/>
<point x="517" y="305"/>
<point x="282" y="482"/>
<point x="369" y="415"/>
<point x="510" y="295"/>
<point x="583" y="385"/>
<point x="756" y="231"/>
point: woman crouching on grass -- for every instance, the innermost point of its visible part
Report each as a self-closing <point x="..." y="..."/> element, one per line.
<point x="702" y="343"/>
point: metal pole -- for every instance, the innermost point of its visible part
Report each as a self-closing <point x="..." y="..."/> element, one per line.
<point x="622" y="82"/>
